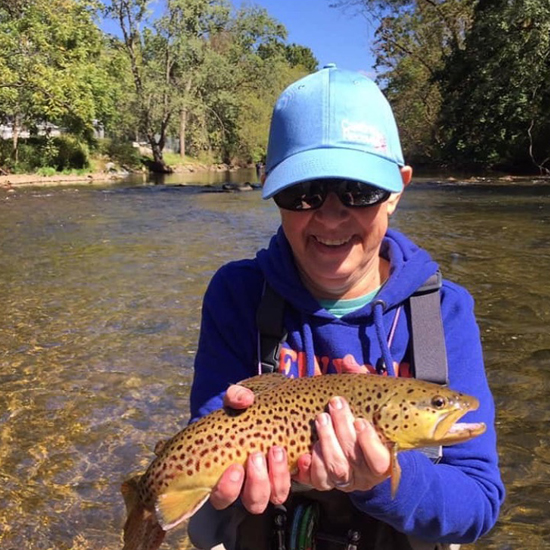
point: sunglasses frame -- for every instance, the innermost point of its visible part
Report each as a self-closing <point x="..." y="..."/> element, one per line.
<point x="341" y="187"/>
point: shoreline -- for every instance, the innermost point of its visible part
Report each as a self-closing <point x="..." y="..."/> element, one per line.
<point x="11" y="181"/>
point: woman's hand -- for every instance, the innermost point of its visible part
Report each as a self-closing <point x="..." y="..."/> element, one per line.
<point x="259" y="481"/>
<point x="348" y="455"/>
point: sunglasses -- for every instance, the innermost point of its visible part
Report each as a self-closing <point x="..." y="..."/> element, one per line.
<point x="310" y="195"/>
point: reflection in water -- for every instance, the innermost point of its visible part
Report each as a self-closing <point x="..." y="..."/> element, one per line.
<point x="99" y="316"/>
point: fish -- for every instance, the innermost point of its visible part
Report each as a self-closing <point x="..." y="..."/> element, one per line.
<point x="406" y="413"/>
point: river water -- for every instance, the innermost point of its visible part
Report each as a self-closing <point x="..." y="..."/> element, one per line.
<point x="99" y="316"/>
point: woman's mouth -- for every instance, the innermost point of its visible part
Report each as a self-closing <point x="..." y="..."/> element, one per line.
<point x="332" y="242"/>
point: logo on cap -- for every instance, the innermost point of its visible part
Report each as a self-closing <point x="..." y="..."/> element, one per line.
<point x="359" y="132"/>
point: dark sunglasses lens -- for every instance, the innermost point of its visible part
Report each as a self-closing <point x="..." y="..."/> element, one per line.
<point x="354" y="193"/>
<point x="303" y="196"/>
<point x="309" y="195"/>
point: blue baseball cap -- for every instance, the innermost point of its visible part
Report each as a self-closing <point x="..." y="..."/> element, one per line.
<point x="333" y="123"/>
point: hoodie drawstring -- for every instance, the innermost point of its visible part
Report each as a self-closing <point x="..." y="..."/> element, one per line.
<point x="386" y="365"/>
<point x="307" y="336"/>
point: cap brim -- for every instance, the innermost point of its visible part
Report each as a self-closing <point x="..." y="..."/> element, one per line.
<point x="334" y="163"/>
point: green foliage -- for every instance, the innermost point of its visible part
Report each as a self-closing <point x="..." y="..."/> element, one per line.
<point x="498" y="88"/>
<point x="51" y="65"/>
<point x="72" y="153"/>
<point x="59" y="153"/>
<point x="121" y="152"/>
<point x="46" y="171"/>
<point x="469" y="80"/>
<point x="413" y="40"/>
<point x="201" y="70"/>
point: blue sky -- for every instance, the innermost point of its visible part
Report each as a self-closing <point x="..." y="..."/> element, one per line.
<point x="334" y="36"/>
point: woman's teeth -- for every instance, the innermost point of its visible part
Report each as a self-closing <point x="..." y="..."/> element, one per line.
<point x="332" y="242"/>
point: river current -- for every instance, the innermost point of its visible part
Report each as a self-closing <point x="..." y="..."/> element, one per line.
<point x="100" y="298"/>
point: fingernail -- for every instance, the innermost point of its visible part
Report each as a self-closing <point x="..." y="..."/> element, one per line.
<point x="278" y="454"/>
<point x="258" y="459"/>
<point x="235" y="476"/>
<point x="323" y="419"/>
<point x="360" y="425"/>
<point x="337" y="403"/>
<point x="240" y="395"/>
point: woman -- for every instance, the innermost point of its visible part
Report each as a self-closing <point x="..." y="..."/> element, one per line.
<point x="335" y="169"/>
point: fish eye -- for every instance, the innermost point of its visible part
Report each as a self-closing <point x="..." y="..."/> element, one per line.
<point x="438" y="402"/>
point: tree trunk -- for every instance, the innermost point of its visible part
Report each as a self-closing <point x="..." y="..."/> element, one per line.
<point x="183" y="126"/>
<point x="15" y="139"/>
<point x="183" y="118"/>
<point x="158" y="165"/>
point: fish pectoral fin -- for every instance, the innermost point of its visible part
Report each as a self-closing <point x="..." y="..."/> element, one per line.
<point x="175" y="506"/>
<point x="264" y="382"/>
<point x="395" y="470"/>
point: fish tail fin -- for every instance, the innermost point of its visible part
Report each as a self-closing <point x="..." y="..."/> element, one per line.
<point x="142" y="530"/>
<point x="175" y="506"/>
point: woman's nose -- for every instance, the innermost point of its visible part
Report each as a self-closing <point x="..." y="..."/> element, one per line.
<point x="332" y="210"/>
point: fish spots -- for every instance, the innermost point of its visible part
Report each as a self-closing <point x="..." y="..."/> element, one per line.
<point x="284" y="415"/>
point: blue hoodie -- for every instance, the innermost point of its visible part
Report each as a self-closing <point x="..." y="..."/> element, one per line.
<point x="456" y="500"/>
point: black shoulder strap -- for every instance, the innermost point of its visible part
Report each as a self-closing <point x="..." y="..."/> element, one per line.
<point x="271" y="331"/>
<point x="429" y="355"/>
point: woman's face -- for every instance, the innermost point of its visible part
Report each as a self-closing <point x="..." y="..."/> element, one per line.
<point x="337" y="248"/>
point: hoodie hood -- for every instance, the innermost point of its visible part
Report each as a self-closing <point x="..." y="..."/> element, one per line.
<point x="410" y="267"/>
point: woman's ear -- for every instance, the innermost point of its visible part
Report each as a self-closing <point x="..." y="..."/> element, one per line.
<point x="406" y="176"/>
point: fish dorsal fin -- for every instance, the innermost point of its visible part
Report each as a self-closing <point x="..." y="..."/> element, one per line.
<point x="175" y="506"/>
<point x="264" y="382"/>
<point x="160" y="445"/>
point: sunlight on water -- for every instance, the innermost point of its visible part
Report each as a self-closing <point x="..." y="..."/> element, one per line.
<point x="99" y="317"/>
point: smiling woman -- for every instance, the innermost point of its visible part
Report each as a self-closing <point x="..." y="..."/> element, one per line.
<point x="335" y="169"/>
<point x="337" y="247"/>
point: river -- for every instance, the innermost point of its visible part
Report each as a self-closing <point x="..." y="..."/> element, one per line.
<point x="99" y="317"/>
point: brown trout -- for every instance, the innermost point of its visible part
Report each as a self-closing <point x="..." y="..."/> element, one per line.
<point x="406" y="413"/>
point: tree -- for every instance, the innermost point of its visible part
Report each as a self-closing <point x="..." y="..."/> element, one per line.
<point x="413" y="38"/>
<point x="51" y="65"/>
<point x="497" y="88"/>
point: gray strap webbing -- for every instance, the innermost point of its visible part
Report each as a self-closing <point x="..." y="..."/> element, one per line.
<point x="428" y="351"/>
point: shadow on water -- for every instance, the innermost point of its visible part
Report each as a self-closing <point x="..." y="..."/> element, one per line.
<point x="99" y="317"/>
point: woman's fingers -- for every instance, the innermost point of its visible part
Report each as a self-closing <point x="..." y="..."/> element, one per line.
<point x="238" y="397"/>
<point x="329" y="465"/>
<point x="279" y="474"/>
<point x="257" y="486"/>
<point x="258" y="483"/>
<point x="376" y="454"/>
<point x="348" y="455"/>
<point x="228" y="488"/>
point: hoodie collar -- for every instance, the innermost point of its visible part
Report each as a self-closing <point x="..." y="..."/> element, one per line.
<point x="410" y="267"/>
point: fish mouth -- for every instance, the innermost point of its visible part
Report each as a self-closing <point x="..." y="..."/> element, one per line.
<point x="461" y="431"/>
<point x="449" y="431"/>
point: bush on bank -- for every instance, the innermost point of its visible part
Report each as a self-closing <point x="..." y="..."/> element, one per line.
<point x="46" y="155"/>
